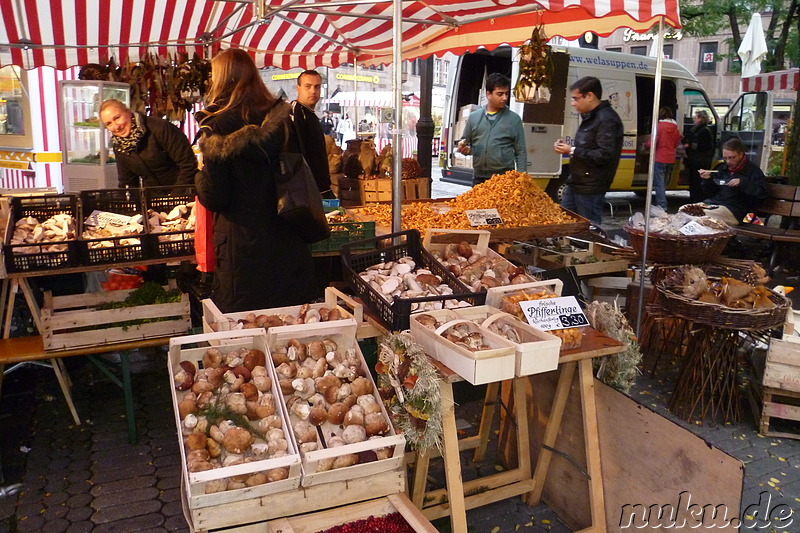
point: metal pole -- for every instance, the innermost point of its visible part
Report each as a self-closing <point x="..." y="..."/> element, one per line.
<point x="355" y="96"/>
<point x="397" y="136"/>
<point x="650" y="167"/>
<point x="425" y="125"/>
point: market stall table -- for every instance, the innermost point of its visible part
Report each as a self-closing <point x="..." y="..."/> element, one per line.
<point x="520" y="480"/>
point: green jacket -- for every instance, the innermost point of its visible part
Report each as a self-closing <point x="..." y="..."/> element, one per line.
<point x="496" y="145"/>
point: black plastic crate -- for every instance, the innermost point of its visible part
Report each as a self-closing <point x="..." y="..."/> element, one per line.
<point x="384" y="248"/>
<point x="122" y="202"/>
<point x="19" y="257"/>
<point x="164" y="199"/>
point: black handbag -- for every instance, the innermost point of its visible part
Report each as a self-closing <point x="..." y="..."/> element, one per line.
<point x="299" y="199"/>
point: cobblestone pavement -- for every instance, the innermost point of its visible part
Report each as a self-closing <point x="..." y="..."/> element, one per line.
<point x="89" y="478"/>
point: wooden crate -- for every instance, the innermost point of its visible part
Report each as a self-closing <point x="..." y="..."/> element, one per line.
<point x="216" y="320"/>
<point x="484" y="366"/>
<point x="343" y="333"/>
<point x="494" y="296"/>
<point x="605" y="263"/>
<point x="394" y="503"/>
<point x="538" y="351"/>
<point x="194" y="483"/>
<point x="780" y="391"/>
<point x="380" y="189"/>
<point x="416" y="188"/>
<point x="64" y="317"/>
<point x="251" y="516"/>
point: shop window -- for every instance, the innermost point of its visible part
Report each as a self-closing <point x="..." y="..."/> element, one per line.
<point x="440" y="70"/>
<point x="15" y="120"/>
<point x="614" y="49"/>
<point x="734" y="64"/>
<point x="669" y="51"/>
<point x="639" y="50"/>
<point x="708" y="57"/>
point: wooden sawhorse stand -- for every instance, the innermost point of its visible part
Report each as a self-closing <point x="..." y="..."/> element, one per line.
<point x="520" y="480"/>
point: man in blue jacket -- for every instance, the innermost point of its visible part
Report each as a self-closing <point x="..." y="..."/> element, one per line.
<point x="494" y="134"/>
<point x="595" y="156"/>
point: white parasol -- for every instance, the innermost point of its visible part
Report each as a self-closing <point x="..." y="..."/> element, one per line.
<point x="753" y="48"/>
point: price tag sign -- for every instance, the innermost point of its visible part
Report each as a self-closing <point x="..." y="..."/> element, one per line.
<point x="483" y="217"/>
<point x="102" y="219"/>
<point x="695" y="228"/>
<point x="554" y="313"/>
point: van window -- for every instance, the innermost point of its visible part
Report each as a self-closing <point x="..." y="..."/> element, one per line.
<point x="694" y="101"/>
<point x="748" y="113"/>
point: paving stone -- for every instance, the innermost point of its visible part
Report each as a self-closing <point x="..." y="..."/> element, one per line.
<point x="84" y="526"/>
<point x="30" y="496"/>
<point x="56" y="484"/>
<point x="104" y="457"/>
<point x="151" y="520"/>
<point x="125" y="511"/>
<point x="55" y="498"/>
<point x="77" y="514"/>
<point x="79" y="500"/>
<point x="171" y="495"/>
<point x="53" y="513"/>
<point x="164" y="461"/>
<point x="29" y="510"/>
<point x="79" y="476"/>
<point x="122" y="485"/>
<point x="169" y="482"/>
<point x="80" y="487"/>
<point x="30" y="523"/>
<point x="172" y="508"/>
<point x="80" y="464"/>
<point x="176" y="523"/>
<point x="129" y="497"/>
<point x="55" y="526"/>
<point x="174" y="470"/>
<point x="125" y="472"/>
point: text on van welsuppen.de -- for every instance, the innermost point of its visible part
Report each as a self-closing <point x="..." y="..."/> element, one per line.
<point x="614" y="63"/>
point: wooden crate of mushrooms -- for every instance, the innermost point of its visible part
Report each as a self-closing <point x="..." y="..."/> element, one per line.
<point x="232" y="425"/>
<point x="340" y="423"/>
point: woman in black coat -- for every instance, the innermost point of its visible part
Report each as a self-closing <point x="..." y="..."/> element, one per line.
<point x="261" y="262"/>
<point x="147" y="147"/>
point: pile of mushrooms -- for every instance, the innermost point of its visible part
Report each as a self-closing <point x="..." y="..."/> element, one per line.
<point x="98" y="236"/>
<point x="479" y="271"/>
<point x="305" y="315"/>
<point x="461" y="334"/>
<point x="47" y="236"/>
<point x="401" y="279"/>
<point x="330" y="399"/>
<point x="180" y="218"/>
<point x="235" y="383"/>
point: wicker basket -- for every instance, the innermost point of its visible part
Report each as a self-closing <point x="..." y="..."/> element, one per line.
<point x="679" y="248"/>
<point x="721" y="315"/>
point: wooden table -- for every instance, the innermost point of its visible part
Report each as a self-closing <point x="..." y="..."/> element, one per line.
<point x="520" y="480"/>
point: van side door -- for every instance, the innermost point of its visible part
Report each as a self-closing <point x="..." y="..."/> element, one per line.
<point x="750" y="119"/>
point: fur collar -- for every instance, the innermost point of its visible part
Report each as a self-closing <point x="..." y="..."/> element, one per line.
<point x="216" y="146"/>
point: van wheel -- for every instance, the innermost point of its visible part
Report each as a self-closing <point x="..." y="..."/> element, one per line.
<point x="555" y="188"/>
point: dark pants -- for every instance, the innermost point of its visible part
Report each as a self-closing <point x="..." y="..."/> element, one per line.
<point x="589" y="206"/>
<point x="695" y="183"/>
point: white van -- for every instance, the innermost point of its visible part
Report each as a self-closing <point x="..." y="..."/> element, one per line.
<point x="628" y="83"/>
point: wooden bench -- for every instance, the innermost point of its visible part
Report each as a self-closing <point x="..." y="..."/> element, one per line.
<point x="30" y="349"/>
<point x="783" y="200"/>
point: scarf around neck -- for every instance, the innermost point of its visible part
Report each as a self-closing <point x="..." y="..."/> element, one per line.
<point x="740" y="166"/>
<point x="128" y="144"/>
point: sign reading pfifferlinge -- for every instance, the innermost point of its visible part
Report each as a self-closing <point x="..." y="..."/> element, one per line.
<point x="554" y="313"/>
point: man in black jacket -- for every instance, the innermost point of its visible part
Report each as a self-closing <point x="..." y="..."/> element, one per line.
<point x="596" y="151"/>
<point x="734" y="188"/>
<point x="307" y="135"/>
<point x="147" y="147"/>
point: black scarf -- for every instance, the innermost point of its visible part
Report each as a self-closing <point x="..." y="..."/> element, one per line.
<point x="128" y="145"/>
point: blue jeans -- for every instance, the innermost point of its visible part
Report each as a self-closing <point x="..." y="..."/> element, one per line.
<point x="661" y="173"/>
<point x="588" y="206"/>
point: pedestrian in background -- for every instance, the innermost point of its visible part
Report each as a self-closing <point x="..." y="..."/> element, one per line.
<point x="493" y="134"/>
<point x="700" y="147"/>
<point x="594" y="158"/>
<point x="668" y="138"/>
<point x="307" y="136"/>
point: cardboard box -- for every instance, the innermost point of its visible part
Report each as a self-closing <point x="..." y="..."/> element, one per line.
<point x="605" y="262"/>
<point x="466" y="110"/>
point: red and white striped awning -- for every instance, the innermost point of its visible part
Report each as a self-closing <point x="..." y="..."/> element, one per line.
<point x="296" y="33"/>
<point x="780" y="80"/>
<point x="370" y="98"/>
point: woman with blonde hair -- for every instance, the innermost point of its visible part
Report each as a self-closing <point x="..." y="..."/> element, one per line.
<point x="261" y="262"/>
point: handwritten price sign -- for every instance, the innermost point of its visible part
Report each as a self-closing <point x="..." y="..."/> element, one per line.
<point x="554" y="313"/>
<point x="483" y="217"/>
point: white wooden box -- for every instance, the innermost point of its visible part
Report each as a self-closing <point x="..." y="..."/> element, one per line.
<point x="186" y="349"/>
<point x="343" y="332"/>
<point x="782" y="370"/>
<point x="484" y="366"/>
<point x="494" y="296"/>
<point x="64" y="319"/>
<point x="538" y="350"/>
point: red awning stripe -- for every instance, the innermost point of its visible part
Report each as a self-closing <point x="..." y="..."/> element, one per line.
<point x="782" y="80"/>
